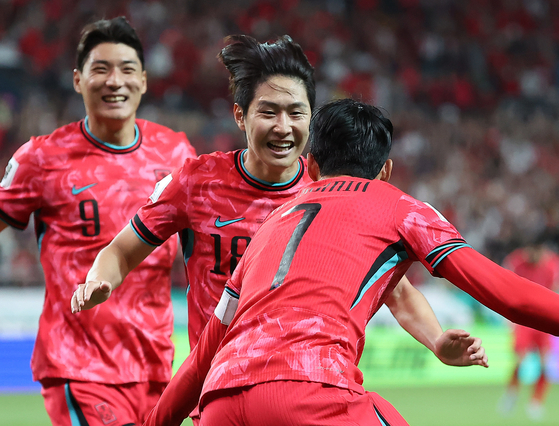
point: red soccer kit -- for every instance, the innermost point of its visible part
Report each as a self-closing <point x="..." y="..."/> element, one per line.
<point x="307" y="299"/>
<point x="544" y="272"/>
<point x="315" y="273"/>
<point x="216" y="206"/>
<point x="82" y="192"/>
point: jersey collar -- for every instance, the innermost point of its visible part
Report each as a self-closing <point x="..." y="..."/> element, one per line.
<point x="109" y="147"/>
<point x="259" y="183"/>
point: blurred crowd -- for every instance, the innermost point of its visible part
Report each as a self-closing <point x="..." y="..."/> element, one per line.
<point x="472" y="88"/>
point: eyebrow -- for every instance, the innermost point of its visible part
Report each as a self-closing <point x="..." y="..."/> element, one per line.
<point x="124" y="62"/>
<point x="274" y="104"/>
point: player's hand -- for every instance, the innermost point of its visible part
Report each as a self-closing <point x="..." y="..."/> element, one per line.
<point x="458" y="348"/>
<point x="90" y="294"/>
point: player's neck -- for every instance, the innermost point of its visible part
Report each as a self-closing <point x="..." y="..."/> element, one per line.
<point x="266" y="173"/>
<point x="115" y="132"/>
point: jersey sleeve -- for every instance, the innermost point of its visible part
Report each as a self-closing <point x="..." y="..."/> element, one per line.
<point x="21" y="187"/>
<point x="517" y="299"/>
<point x="426" y="232"/>
<point x="165" y="213"/>
<point x="183" y="391"/>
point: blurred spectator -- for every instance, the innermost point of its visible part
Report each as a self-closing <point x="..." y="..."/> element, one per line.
<point x="472" y="88"/>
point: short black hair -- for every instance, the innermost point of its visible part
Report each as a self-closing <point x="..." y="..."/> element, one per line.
<point x="348" y="137"/>
<point x="116" y="30"/>
<point x="250" y="63"/>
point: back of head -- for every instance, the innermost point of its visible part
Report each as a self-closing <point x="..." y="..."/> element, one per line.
<point x="251" y="63"/>
<point x="116" y="30"/>
<point x="350" y="138"/>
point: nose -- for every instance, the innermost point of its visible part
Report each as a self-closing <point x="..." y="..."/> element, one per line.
<point x="283" y="124"/>
<point x="114" y="78"/>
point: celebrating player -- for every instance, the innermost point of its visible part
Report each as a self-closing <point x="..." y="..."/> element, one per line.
<point x="218" y="201"/>
<point x="539" y="264"/>
<point x="314" y="274"/>
<point x="83" y="182"/>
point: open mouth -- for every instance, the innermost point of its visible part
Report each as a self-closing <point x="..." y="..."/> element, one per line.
<point x="280" y="146"/>
<point x="113" y="99"/>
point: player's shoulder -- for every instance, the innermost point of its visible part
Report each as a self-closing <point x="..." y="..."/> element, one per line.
<point x="216" y="160"/>
<point x="50" y="145"/>
<point x="391" y="194"/>
<point x="214" y="165"/>
<point x="59" y="136"/>
<point x="163" y="133"/>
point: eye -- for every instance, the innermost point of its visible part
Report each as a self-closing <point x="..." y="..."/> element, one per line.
<point x="129" y="70"/>
<point x="298" y="114"/>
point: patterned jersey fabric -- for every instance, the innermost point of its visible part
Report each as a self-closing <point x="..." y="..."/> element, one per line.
<point x="315" y="273"/>
<point x="82" y="192"/>
<point x="216" y="206"/>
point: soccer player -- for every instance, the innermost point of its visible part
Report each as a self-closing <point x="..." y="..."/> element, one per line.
<point x="315" y="272"/>
<point x="541" y="265"/>
<point x="218" y="201"/>
<point x="82" y="183"/>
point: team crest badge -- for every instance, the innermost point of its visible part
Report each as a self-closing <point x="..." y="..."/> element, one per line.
<point x="161" y="173"/>
<point x="105" y="413"/>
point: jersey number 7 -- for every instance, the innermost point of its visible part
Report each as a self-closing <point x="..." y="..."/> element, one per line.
<point x="311" y="210"/>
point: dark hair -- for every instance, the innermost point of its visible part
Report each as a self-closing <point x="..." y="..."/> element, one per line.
<point x="250" y="63"/>
<point x="350" y="138"/>
<point x="116" y="30"/>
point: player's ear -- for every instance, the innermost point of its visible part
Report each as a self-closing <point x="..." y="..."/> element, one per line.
<point x="76" y="79"/>
<point x="239" y="117"/>
<point x="386" y="171"/>
<point x="313" y="170"/>
<point x="144" y="82"/>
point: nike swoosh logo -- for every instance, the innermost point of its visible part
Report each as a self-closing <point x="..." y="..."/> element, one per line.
<point x="220" y="224"/>
<point x="76" y="191"/>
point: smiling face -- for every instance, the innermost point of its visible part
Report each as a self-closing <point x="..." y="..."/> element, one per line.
<point x="277" y="128"/>
<point x="112" y="83"/>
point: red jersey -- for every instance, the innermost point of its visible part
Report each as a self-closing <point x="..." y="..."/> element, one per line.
<point x="316" y="272"/>
<point x="216" y="206"/>
<point x="306" y="299"/>
<point x="82" y="192"/>
<point x="544" y="272"/>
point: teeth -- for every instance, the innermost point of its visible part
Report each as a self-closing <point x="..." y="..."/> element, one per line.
<point x="281" y="145"/>
<point x="114" y="98"/>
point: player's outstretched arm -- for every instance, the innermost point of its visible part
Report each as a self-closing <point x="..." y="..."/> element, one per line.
<point x="111" y="266"/>
<point x="415" y="315"/>
<point x="517" y="299"/>
<point x="183" y="392"/>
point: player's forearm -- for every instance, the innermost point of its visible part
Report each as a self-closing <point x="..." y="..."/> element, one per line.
<point x="414" y="314"/>
<point x="121" y="256"/>
<point x="518" y="299"/>
<point x="110" y="266"/>
<point x="183" y="392"/>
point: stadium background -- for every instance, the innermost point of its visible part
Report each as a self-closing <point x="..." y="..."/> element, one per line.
<point x="472" y="90"/>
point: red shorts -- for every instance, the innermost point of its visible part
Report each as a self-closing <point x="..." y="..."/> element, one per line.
<point x="71" y="403"/>
<point x="527" y="339"/>
<point x="289" y="402"/>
